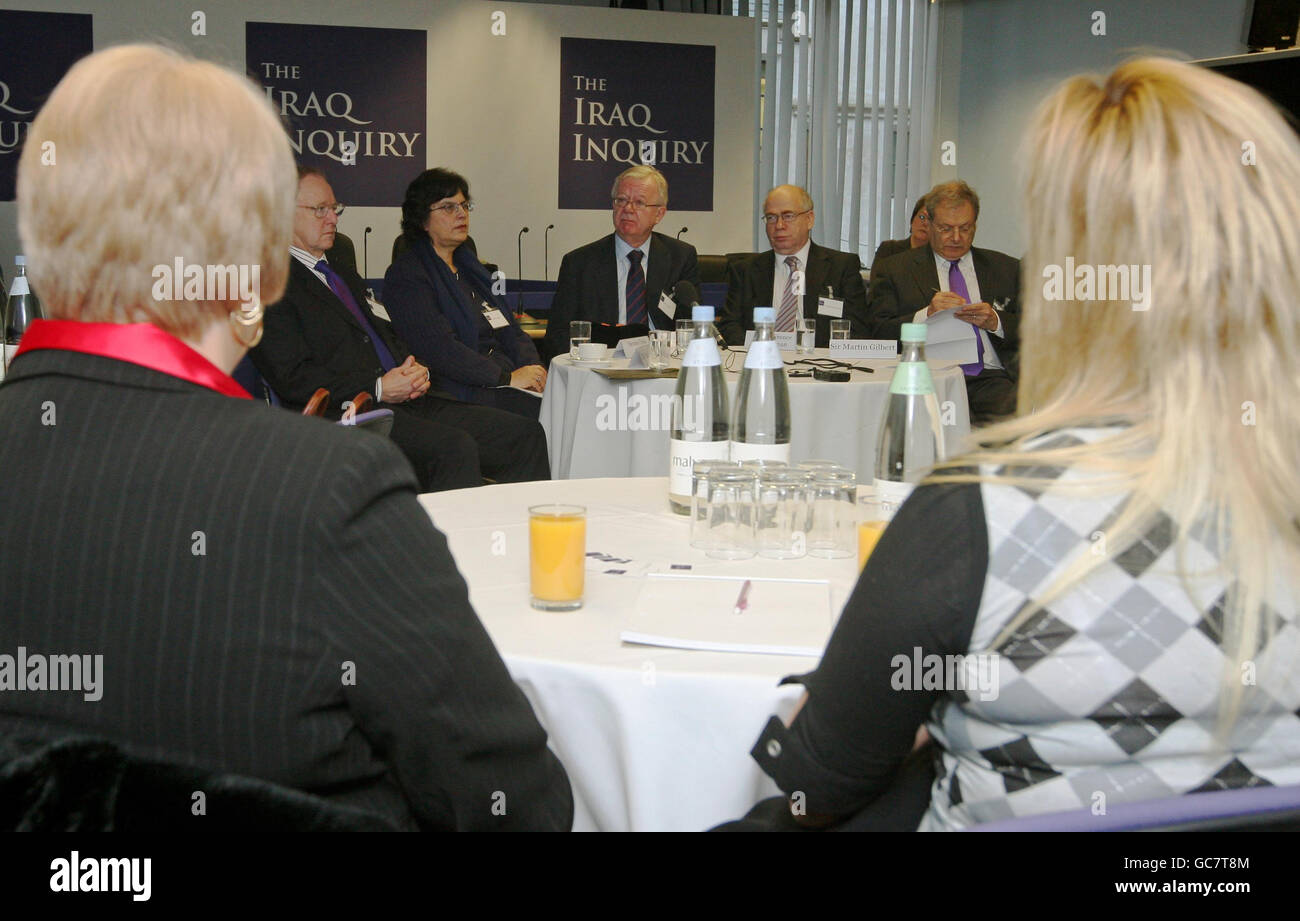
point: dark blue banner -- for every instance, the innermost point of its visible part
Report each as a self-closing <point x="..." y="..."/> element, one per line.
<point x="353" y="101"/>
<point x="624" y="103"/>
<point x="36" y="50"/>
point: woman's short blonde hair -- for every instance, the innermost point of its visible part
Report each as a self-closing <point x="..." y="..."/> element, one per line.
<point x="143" y="156"/>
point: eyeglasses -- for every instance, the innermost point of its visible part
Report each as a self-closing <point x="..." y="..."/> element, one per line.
<point x="784" y="217"/>
<point x="321" y="210"/>
<point x="623" y="201"/>
<point x="963" y="230"/>
<point x="451" y="208"/>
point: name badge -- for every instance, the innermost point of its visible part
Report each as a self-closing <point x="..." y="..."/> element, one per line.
<point x="667" y="304"/>
<point x="879" y="349"/>
<point x="830" y="307"/>
<point x="378" y="309"/>
<point x="496" y="319"/>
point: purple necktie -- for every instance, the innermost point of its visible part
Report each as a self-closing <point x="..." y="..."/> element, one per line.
<point x="635" y="289"/>
<point x="957" y="285"/>
<point x="341" y="291"/>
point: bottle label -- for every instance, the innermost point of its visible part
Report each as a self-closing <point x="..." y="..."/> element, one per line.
<point x="743" y="451"/>
<point x="682" y="456"/>
<point x="763" y="354"/>
<point x="701" y="353"/>
<point x="891" y="494"/>
<point x="912" y="378"/>
<point x="19" y="286"/>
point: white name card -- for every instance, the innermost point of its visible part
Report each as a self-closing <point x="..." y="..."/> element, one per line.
<point x="864" y="348"/>
<point x="786" y="342"/>
<point x="629" y="347"/>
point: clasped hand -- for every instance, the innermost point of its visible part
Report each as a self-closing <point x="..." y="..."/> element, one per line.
<point x="407" y="381"/>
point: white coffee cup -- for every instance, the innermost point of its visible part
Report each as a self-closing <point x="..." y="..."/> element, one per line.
<point x="591" y="351"/>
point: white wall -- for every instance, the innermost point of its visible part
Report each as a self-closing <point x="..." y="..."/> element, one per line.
<point x="1000" y="57"/>
<point x="493" y="111"/>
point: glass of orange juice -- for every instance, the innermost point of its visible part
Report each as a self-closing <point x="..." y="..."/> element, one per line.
<point x="557" y="542"/>
<point x="872" y="520"/>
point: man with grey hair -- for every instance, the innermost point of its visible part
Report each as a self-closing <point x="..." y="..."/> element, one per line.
<point x="622" y="283"/>
<point x="796" y="276"/>
<point x="982" y="286"/>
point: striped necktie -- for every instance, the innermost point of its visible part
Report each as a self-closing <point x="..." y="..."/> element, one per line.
<point x="790" y="300"/>
<point x="635" y="288"/>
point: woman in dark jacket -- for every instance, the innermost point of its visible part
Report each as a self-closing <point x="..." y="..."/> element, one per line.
<point x="441" y="302"/>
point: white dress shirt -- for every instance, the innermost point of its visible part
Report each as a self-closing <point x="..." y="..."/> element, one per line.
<point x="624" y="265"/>
<point x="781" y="277"/>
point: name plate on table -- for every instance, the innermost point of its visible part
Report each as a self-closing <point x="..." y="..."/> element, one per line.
<point x="628" y="347"/>
<point x="848" y="349"/>
<point x="785" y="342"/>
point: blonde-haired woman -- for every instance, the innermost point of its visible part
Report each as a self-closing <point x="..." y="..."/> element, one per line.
<point x="264" y="592"/>
<point x="1117" y="568"/>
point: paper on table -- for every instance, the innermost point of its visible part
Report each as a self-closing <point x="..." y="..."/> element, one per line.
<point x="948" y="338"/>
<point x="533" y="393"/>
<point x="786" y="617"/>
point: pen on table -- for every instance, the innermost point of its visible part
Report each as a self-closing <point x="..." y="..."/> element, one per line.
<point x="742" y="600"/>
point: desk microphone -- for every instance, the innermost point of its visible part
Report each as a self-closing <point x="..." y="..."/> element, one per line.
<point x="682" y="231"/>
<point x="365" y="250"/>
<point x="686" y="295"/>
<point x="519" y="252"/>
<point x="546" y="250"/>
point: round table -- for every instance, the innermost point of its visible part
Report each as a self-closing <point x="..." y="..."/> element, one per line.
<point x="829" y="420"/>
<point x="652" y="738"/>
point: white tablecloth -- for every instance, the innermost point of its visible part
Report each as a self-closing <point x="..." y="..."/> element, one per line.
<point x="652" y="738"/>
<point x="829" y="421"/>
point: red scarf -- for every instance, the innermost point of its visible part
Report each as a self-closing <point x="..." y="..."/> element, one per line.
<point x="138" y="343"/>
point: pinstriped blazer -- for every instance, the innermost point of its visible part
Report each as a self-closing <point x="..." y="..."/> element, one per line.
<point x="268" y="597"/>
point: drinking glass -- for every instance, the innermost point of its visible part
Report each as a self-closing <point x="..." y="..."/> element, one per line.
<point x="782" y="513"/>
<point x="661" y="346"/>
<point x="839" y="329"/>
<point x="700" y="472"/>
<point x="579" y="332"/>
<point x="805" y="331"/>
<point x="731" y="514"/>
<point x="685" y="329"/>
<point x="873" y="517"/>
<point x="557" y="552"/>
<point x="832" y="533"/>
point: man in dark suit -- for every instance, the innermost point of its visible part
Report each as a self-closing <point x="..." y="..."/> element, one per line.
<point x="982" y="286"/>
<point x="325" y="333"/>
<point x="623" y="283"/>
<point x="794" y="275"/>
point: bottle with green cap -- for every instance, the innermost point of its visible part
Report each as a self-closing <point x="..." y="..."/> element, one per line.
<point x="910" y="439"/>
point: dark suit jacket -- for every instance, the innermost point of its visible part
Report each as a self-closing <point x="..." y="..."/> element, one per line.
<point x="312" y="340"/>
<point x="268" y="596"/>
<point x="906" y="283"/>
<point x="587" y="289"/>
<point x="420" y="315"/>
<point x="749" y="285"/>
<point x="884" y="251"/>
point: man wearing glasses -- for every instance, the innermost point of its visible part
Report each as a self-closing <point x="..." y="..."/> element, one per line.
<point x="325" y="332"/>
<point x="796" y="277"/>
<point x="622" y="283"/>
<point x="982" y="287"/>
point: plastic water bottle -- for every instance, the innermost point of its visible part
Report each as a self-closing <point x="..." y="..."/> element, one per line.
<point x="21" y="308"/>
<point x="910" y="438"/>
<point x="760" y="427"/>
<point x="700" y="416"/>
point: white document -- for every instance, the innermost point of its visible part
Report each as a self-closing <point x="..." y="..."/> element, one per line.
<point x="830" y="307"/>
<point x="949" y="339"/>
<point x="788" y="617"/>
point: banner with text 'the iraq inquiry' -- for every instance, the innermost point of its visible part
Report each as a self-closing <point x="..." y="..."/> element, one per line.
<point x="624" y="103"/>
<point x="353" y="100"/>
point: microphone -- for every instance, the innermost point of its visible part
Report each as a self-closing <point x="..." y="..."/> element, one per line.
<point x="365" y="250"/>
<point x="682" y="231"/>
<point x="519" y="252"/>
<point x="546" y="250"/>
<point x="686" y="295"/>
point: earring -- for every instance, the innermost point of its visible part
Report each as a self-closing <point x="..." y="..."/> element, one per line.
<point x="247" y="317"/>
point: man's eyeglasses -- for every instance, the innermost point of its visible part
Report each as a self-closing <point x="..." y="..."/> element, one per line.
<point x="963" y="230"/>
<point x="321" y="210"/>
<point x="450" y="208"/>
<point x="784" y="217"/>
<point x="623" y="201"/>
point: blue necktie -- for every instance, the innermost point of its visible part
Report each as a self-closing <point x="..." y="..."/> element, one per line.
<point x="957" y="285"/>
<point x="342" y="292"/>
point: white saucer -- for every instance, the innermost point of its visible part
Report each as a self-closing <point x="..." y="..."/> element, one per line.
<point x="592" y="363"/>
